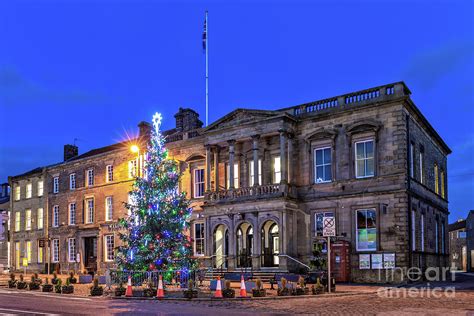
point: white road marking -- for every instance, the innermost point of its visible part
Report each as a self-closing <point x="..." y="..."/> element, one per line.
<point x="25" y="312"/>
<point x="45" y="295"/>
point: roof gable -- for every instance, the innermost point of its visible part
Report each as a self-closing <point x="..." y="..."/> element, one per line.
<point x="240" y="117"/>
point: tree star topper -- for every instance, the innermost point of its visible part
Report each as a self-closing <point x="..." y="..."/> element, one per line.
<point x="157" y="121"/>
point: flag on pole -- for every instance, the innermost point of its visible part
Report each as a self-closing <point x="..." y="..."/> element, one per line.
<point x="204" y="35"/>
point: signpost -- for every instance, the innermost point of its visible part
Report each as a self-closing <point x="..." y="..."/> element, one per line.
<point x="329" y="230"/>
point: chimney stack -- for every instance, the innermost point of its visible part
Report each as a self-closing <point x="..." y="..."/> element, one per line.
<point x="144" y="129"/>
<point x="187" y="120"/>
<point x="70" y="151"/>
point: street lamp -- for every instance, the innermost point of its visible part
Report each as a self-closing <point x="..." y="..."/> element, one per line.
<point x="136" y="149"/>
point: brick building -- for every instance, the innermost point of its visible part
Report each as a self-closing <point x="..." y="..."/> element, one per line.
<point x="260" y="183"/>
<point x="461" y="244"/>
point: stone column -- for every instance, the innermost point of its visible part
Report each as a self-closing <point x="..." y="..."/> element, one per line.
<point x="231" y="163"/>
<point x="255" y="139"/>
<point x="290" y="158"/>
<point x="208" y="168"/>
<point x="283" y="157"/>
<point x="216" y="168"/>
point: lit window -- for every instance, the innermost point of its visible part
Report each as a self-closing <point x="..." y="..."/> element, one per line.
<point x="412" y="160"/>
<point x="90" y="211"/>
<point x="55" y="250"/>
<point x="322" y="162"/>
<point x="109" y="247"/>
<point x="39" y="218"/>
<point x="72" y="214"/>
<point x="364" y="155"/>
<point x="421" y="163"/>
<point x="198" y="183"/>
<point x="29" y="190"/>
<point x="17" y="221"/>
<point x="55" y="184"/>
<point x="108" y="208"/>
<point x="17" y="192"/>
<point x="422" y="231"/>
<point x="252" y="172"/>
<point x="56" y="216"/>
<point x="436" y="175"/>
<point x="276" y="169"/>
<point x="40" y="188"/>
<point x="318" y="221"/>
<point x="28" y="220"/>
<point x="199" y="239"/>
<point x="132" y="169"/>
<point x="413" y="230"/>
<point x="90" y="177"/>
<point x="72" y="181"/>
<point x="442" y="184"/>
<point x="236" y="175"/>
<point x="110" y="173"/>
<point x="28" y="251"/>
<point x="366" y="230"/>
<point x="40" y="254"/>
<point x="71" y="249"/>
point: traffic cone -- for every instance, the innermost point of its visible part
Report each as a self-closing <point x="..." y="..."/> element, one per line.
<point x="218" y="293"/>
<point x="160" y="293"/>
<point x="243" y="290"/>
<point x="128" y="292"/>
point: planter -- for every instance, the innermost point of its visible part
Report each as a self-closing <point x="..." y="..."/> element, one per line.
<point x="34" y="286"/>
<point x="85" y="279"/>
<point x="190" y="294"/>
<point x="54" y="280"/>
<point x="301" y="291"/>
<point x="12" y="284"/>
<point x="228" y="293"/>
<point x="259" y="292"/>
<point x="67" y="289"/>
<point x="283" y="292"/>
<point x="97" y="291"/>
<point x="21" y="285"/>
<point x="120" y="291"/>
<point x="149" y="292"/>
<point x="47" y="288"/>
<point x="72" y="280"/>
<point x="57" y="288"/>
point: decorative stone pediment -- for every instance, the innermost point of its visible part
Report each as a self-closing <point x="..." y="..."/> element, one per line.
<point x="322" y="133"/>
<point x="240" y="117"/>
<point x="367" y="125"/>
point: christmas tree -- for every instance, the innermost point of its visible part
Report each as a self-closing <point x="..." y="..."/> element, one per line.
<point x="155" y="236"/>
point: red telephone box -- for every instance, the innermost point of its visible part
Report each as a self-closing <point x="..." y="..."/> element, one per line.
<point x="340" y="261"/>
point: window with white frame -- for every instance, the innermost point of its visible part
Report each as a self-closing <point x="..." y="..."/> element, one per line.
<point x="109" y="208"/>
<point x="28" y="250"/>
<point x="40" y="188"/>
<point x="276" y="169"/>
<point x="132" y="168"/>
<point x="366" y="230"/>
<point x="318" y="221"/>
<point x="72" y="214"/>
<point x="55" y="184"/>
<point x="413" y="230"/>
<point x="109" y="173"/>
<point x="442" y="184"/>
<point x="422" y="232"/>
<point x="436" y="183"/>
<point x="56" y="216"/>
<point x="90" y="177"/>
<point x="199" y="239"/>
<point x="252" y="172"/>
<point x="29" y="190"/>
<point x="72" y="181"/>
<point x="40" y="218"/>
<point x="236" y="175"/>
<point x="40" y="254"/>
<point x="109" y="248"/>
<point x="55" y="250"/>
<point x="71" y="249"/>
<point x="198" y="183"/>
<point x="364" y="159"/>
<point x="17" y="221"/>
<point x="421" y="163"/>
<point x="412" y="160"/>
<point x="17" y="192"/>
<point x="322" y="165"/>
<point x="28" y="219"/>
<point x="437" y="237"/>
<point x="90" y="211"/>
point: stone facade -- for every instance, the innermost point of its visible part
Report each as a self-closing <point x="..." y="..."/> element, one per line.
<point x="4" y="230"/>
<point x="260" y="183"/>
<point x="461" y="244"/>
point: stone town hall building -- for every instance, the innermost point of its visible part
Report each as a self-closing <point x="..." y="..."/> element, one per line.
<point x="260" y="183"/>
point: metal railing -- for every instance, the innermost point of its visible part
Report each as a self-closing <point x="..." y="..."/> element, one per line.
<point x="297" y="261"/>
<point x="172" y="277"/>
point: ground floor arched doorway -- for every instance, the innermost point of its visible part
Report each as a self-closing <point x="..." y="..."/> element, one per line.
<point x="270" y="244"/>
<point x="221" y="246"/>
<point x="244" y="245"/>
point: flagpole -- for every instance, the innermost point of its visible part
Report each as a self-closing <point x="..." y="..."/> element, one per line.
<point x="207" y="72"/>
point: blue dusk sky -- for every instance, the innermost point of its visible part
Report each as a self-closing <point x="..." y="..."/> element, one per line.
<point x="91" y="70"/>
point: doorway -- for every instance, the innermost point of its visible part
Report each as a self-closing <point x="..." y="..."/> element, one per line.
<point x="244" y="245"/>
<point x="270" y="245"/>
<point x="90" y="254"/>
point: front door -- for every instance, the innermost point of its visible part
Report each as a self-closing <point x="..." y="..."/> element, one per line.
<point x="90" y="254"/>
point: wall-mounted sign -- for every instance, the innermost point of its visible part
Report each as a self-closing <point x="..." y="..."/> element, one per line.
<point x="389" y="260"/>
<point x="377" y="261"/>
<point x="364" y="261"/>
